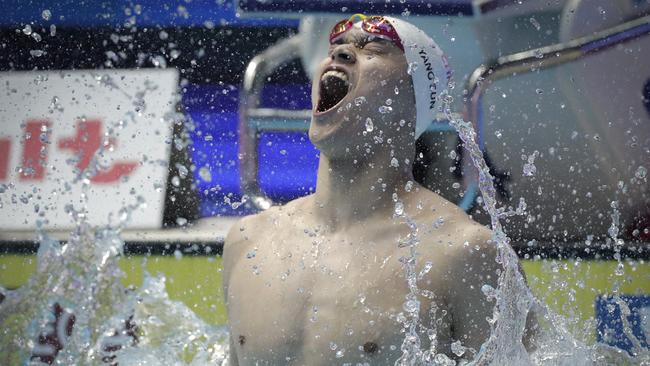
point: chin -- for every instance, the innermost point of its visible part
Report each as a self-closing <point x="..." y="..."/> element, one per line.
<point x="323" y="136"/>
<point x="331" y="141"/>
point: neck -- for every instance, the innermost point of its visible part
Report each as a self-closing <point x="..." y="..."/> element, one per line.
<point x="349" y="191"/>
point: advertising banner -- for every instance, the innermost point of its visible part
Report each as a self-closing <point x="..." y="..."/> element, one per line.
<point x="107" y="130"/>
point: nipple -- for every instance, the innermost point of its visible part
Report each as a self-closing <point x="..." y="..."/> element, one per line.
<point x="370" y="347"/>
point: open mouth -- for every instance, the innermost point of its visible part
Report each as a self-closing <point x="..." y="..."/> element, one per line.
<point x="334" y="86"/>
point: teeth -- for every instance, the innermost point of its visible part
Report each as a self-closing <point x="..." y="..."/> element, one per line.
<point x="337" y="74"/>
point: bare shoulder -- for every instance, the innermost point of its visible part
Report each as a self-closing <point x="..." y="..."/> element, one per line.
<point x="476" y="238"/>
<point x="473" y="252"/>
<point x="447" y="224"/>
<point x="235" y="243"/>
<point x="462" y="247"/>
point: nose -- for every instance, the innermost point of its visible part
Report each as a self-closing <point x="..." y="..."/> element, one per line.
<point x="344" y="55"/>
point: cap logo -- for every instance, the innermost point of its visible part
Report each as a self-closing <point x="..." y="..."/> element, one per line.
<point x="428" y="78"/>
<point x="431" y="76"/>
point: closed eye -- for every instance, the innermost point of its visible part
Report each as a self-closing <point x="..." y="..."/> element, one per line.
<point x="364" y="42"/>
<point x="376" y="46"/>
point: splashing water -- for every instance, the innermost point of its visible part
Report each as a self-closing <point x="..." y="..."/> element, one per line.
<point x="553" y="343"/>
<point x="84" y="316"/>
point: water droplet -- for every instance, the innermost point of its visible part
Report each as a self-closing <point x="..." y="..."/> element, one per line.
<point x="439" y="222"/>
<point x="539" y="91"/>
<point x="535" y="23"/>
<point x="641" y="172"/>
<point x="529" y="169"/>
<point x="340" y="353"/>
<point x="555" y="268"/>
<point x="394" y="163"/>
<point x="452" y="154"/>
<point x="182" y="170"/>
<point x="411" y="306"/>
<point x="369" y="126"/>
<point x="27" y="30"/>
<point x="37" y="37"/>
<point x="385" y="109"/>
<point x="176" y="181"/>
<point x="498" y="134"/>
<point x="427" y="267"/>
<point x="457" y="348"/>
<point x="180" y="221"/>
<point x="205" y="174"/>
<point x="333" y="346"/>
<point x="389" y="101"/>
<point x="46" y="14"/>
<point x="620" y="269"/>
<point x="36" y="53"/>
<point x="409" y="186"/>
<point x="396" y="90"/>
<point x="399" y="208"/>
<point x="455" y="185"/>
<point x="413" y="66"/>
<point x="489" y="291"/>
<point x="359" y="101"/>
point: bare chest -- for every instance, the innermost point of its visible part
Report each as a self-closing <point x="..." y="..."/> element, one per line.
<point x="311" y="299"/>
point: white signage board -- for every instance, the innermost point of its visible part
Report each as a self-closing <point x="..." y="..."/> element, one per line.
<point x="56" y="124"/>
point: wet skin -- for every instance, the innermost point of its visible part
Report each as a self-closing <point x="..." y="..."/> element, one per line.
<point x="318" y="281"/>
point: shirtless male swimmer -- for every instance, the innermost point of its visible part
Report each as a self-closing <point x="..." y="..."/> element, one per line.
<point x="318" y="281"/>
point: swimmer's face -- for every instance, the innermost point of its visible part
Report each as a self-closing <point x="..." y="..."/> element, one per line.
<point x="362" y="77"/>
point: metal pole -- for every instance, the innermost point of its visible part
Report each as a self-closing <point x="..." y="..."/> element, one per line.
<point x="260" y="67"/>
<point x="545" y="58"/>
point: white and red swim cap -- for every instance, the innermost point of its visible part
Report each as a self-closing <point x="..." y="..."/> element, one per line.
<point x="430" y="72"/>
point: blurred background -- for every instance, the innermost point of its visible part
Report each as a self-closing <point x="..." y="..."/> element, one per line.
<point x="198" y="109"/>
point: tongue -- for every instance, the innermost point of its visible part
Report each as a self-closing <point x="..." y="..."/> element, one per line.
<point x="332" y="90"/>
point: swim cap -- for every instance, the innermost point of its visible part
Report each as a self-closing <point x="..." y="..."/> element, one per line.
<point x="429" y="70"/>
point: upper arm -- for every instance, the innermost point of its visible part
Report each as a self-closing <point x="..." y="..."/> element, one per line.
<point x="473" y="267"/>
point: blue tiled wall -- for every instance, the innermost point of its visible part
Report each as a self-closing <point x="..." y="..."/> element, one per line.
<point x="288" y="161"/>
